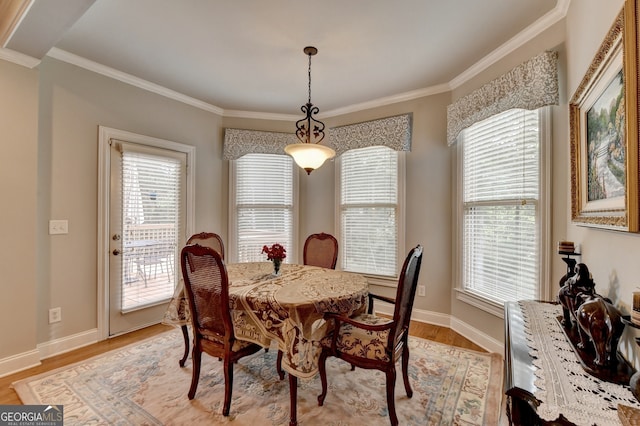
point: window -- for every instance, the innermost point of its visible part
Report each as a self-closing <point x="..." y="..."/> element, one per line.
<point x="152" y="190"/>
<point x="263" y="204"/>
<point x="370" y="210"/>
<point x="502" y="218"/>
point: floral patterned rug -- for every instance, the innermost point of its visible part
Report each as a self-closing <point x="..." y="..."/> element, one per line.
<point x="142" y="384"/>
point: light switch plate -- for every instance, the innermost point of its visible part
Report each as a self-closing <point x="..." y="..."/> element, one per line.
<point x="58" y="227"/>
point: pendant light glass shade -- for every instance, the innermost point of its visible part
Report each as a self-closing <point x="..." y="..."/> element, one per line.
<point x="309" y="156"/>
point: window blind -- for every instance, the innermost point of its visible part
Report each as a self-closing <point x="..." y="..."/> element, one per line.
<point x="501" y="209"/>
<point x="368" y="210"/>
<point x="263" y="204"/>
<point x="151" y="200"/>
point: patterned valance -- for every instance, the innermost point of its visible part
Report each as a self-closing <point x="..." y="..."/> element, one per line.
<point x="393" y="132"/>
<point x="530" y="85"/>
<point x="238" y="142"/>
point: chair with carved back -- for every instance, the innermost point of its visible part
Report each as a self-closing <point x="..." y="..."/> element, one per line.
<point x="207" y="286"/>
<point x="208" y="239"/>
<point x="372" y="342"/>
<point x="321" y="250"/>
<point x="205" y="239"/>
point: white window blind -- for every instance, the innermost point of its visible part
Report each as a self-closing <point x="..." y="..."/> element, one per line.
<point x="151" y="205"/>
<point x="264" y="205"/>
<point x="369" y="211"/>
<point x="501" y="206"/>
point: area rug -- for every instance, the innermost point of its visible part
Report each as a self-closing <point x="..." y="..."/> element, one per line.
<point x="142" y="384"/>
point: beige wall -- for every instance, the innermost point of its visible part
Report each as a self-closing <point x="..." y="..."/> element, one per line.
<point x="18" y="173"/>
<point x="73" y="103"/>
<point x="551" y="39"/>
<point x="428" y="208"/>
<point x="612" y="257"/>
<point x="50" y="118"/>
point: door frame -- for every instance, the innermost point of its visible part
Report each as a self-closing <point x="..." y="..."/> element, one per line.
<point x="105" y="134"/>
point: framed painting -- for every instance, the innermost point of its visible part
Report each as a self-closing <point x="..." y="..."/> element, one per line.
<point x="603" y="121"/>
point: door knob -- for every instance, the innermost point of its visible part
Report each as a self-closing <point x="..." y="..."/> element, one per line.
<point x="116" y="252"/>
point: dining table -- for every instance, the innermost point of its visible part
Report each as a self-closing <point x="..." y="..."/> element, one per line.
<point x="288" y="309"/>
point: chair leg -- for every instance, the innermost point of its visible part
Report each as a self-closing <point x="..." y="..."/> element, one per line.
<point x="279" y="365"/>
<point x="185" y="334"/>
<point x="391" y="401"/>
<point x="228" y="386"/>
<point x="323" y="376"/>
<point x="196" y="357"/>
<point x="405" y="370"/>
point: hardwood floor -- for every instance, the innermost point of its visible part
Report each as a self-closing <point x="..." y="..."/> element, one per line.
<point x="9" y="397"/>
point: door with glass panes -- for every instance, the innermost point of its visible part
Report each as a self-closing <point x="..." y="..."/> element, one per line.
<point x="147" y="227"/>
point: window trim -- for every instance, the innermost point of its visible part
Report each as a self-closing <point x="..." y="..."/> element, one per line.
<point x="385" y="281"/>
<point x="474" y="299"/>
<point x="232" y="251"/>
<point x="105" y="134"/>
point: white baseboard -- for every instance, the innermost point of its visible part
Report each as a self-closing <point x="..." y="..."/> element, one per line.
<point x="19" y="362"/>
<point x="478" y="337"/>
<point x="68" y="343"/>
<point x="443" y="320"/>
<point x="32" y="358"/>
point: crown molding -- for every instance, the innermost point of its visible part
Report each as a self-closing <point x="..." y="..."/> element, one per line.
<point x="18" y="58"/>
<point x="546" y="21"/>
<point x="70" y="58"/>
<point x="555" y="15"/>
<point x="388" y="100"/>
<point x="11" y="15"/>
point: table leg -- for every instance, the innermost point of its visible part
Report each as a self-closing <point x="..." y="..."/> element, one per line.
<point x="293" y="394"/>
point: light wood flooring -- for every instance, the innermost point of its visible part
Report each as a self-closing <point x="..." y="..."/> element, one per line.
<point x="9" y="397"/>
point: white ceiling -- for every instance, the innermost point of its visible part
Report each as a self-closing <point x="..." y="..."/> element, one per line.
<point x="245" y="56"/>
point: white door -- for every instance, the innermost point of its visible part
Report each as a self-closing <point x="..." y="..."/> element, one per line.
<point x="146" y="228"/>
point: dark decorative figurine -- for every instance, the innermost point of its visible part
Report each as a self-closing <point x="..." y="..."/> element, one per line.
<point x="592" y="324"/>
<point x="575" y="288"/>
<point x="601" y="323"/>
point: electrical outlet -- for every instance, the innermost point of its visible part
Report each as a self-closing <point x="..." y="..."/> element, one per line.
<point x="58" y="227"/>
<point x="55" y="315"/>
<point x="421" y="290"/>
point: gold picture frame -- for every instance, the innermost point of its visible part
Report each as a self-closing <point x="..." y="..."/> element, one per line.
<point x="603" y="119"/>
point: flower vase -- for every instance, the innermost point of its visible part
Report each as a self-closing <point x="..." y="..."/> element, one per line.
<point x="276" y="267"/>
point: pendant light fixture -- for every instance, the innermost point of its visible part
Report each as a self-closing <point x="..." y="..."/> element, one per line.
<point x="309" y="154"/>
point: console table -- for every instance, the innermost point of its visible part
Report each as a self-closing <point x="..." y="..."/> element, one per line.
<point x="544" y="380"/>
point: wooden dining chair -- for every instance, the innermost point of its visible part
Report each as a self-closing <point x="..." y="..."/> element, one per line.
<point x="205" y="239"/>
<point x="372" y="342"/>
<point x="321" y="250"/>
<point x="208" y="239"/>
<point x="207" y="286"/>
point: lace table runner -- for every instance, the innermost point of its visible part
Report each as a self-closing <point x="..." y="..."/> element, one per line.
<point x="563" y="387"/>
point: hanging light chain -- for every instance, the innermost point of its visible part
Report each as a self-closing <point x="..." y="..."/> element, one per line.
<point x="309" y="77"/>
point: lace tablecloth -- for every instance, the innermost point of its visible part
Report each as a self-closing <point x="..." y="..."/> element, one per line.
<point x="287" y="308"/>
<point x="563" y="387"/>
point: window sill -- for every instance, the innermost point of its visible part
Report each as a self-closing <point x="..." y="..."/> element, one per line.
<point x="494" y="308"/>
<point x="382" y="281"/>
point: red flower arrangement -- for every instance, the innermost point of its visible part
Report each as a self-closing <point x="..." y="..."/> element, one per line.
<point x="275" y="252"/>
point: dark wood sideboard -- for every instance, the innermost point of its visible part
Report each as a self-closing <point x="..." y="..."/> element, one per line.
<point x="519" y="373"/>
<point x="577" y="392"/>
